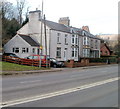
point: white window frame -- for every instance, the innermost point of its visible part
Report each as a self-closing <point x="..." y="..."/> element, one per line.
<point x="66" y="39"/>
<point x="16" y="49"/>
<point x="73" y="39"/>
<point x="25" y="50"/>
<point x="58" y="52"/>
<point x="74" y="52"/>
<point x="33" y="50"/>
<point x="76" y="40"/>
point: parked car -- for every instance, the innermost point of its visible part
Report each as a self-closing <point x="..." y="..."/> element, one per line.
<point x="10" y="54"/>
<point x="54" y="63"/>
<point x="37" y="57"/>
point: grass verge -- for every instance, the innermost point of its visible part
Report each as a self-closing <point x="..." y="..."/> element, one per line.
<point x="6" y="66"/>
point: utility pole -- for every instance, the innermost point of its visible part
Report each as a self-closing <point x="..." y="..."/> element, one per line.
<point x="45" y="40"/>
<point x="41" y="47"/>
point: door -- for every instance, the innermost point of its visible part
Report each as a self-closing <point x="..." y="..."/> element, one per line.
<point x="65" y="54"/>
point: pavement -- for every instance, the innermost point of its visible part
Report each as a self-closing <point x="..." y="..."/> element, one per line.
<point x="52" y="70"/>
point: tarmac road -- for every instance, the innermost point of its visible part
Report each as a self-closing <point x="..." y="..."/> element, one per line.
<point x="19" y="88"/>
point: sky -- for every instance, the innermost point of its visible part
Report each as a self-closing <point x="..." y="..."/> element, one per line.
<point x="100" y="15"/>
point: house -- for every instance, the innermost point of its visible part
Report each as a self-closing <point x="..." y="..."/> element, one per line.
<point x="64" y="42"/>
<point x="105" y="50"/>
<point x="22" y="45"/>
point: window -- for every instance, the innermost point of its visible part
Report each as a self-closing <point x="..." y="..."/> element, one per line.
<point x="58" y="39"/>
<point x="76" y="40"/>
<point x="86" y="52"/>
<point x="30" y="57"/>
<point x="16" y="50"/>
<point x="58" y="34"/>
<point x="106" y="52"/>
<point x="35" y="57"/>
<point x="73" y="39"/>
<point x="65" y="38"/>
<point x="38" y="51"/>
<point x="33" y="50"/>
<point x="58" y="53"/>
<point x="24" y="50"/>
<point x="84" y="41"/>
<point x="72" y="52"/>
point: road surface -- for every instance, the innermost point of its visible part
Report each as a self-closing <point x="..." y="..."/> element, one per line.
<point x="96" y="87"/>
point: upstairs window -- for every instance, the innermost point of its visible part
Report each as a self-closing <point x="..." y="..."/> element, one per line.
<point x="76" y="40"/>
<point x="66" y="39"/>
<point x="58" y="38"/>
<point x="73" y="39"/>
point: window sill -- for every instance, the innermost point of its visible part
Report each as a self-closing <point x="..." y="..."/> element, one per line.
<point x="58" y="57"/>
<point x="58" y="43"/>
<point x="66" y="43"/>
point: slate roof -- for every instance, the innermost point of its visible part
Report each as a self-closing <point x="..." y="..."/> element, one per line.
<point x="29" y="40"/>
<point x="57" y="26"/>
<point x="64" y="28"/>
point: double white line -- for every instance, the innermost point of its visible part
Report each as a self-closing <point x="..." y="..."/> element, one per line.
<point x="48" y="95"/>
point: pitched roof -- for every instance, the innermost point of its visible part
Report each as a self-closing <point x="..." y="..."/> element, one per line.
<point x="64" y="28"/>
<point x="29" y="40"/>
<point x="57" y="26"/>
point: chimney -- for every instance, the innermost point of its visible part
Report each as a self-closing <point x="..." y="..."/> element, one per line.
<point x="86" y="28"/>
<point x="65" y="21"/>
<point x="34" y="15"/>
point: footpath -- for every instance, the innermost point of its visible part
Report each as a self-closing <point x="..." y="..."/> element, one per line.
<point x="53" y="70"/>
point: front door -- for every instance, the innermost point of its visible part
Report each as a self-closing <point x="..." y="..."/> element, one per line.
<point x="65" y="54"/>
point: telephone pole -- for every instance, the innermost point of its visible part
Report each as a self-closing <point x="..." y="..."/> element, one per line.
<point x="45" y="40"/>
<point x="41" y="47"/>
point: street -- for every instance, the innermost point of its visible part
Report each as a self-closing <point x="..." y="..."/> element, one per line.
<point x="91" y="87"/>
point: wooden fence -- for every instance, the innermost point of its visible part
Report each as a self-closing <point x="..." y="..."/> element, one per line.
<point x="22" y="61"/>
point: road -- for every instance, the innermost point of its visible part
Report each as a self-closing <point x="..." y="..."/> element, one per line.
<point x="68" y="88"/>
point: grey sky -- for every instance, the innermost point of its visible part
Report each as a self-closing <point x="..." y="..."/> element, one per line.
<point x="100" y="15"/>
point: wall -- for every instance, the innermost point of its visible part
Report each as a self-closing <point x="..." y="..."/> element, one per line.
<point x="54" y="45"/>
<point x="104" y="50"/>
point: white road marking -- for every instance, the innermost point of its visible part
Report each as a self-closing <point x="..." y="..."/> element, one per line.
<point x="30" y="81"/>
<point x="30" y="99"/>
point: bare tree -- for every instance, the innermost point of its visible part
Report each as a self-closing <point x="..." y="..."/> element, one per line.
<point x="6" y="9"/>
<point x="20" y="8"/>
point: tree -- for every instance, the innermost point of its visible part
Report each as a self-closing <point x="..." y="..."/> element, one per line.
<point x="6" y="9"/>
<point x="26" y="15"/>
<point x="20" y="8"/>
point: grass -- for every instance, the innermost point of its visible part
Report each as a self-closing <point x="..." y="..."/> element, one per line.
<point x="6" y="66"/>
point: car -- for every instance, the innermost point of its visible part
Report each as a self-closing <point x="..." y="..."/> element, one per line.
<point x="55" y="63"/>
<point x="37" y="57"/>
<point x="10" y="54"/>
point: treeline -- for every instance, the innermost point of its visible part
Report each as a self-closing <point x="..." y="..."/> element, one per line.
<point x="13" y="18"/>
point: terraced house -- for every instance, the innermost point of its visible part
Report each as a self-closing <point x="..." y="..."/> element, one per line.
<point x="63" y="41"/>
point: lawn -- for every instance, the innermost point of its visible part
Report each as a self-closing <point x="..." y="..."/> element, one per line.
<point x="6" y="66"/>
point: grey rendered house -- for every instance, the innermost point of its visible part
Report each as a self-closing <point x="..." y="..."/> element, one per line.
<point x="63" y="41"/>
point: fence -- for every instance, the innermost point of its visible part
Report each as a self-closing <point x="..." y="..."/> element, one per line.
<point x="22" y="61"/>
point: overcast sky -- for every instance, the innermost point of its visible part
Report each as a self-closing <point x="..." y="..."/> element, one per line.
<point x="100" y="15"/>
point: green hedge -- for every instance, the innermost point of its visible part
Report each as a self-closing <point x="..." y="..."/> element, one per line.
<point x="104" y="60"/>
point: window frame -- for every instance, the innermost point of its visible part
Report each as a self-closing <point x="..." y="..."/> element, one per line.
<point x="16" y="49"/>
<point x="58" y="52"/>
<point x="25" y="50"/>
